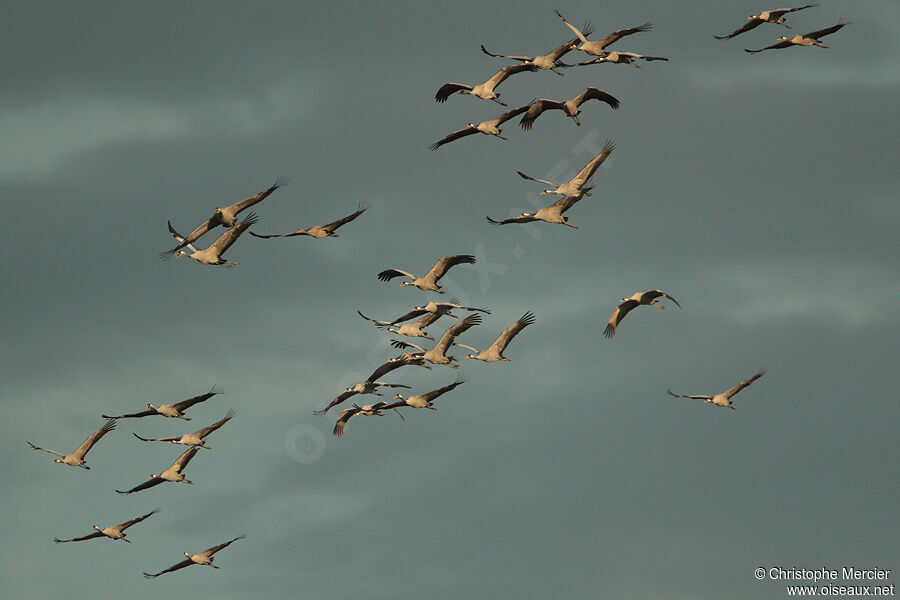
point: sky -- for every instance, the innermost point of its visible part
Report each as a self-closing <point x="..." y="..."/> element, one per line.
<point x="755" y="189"/>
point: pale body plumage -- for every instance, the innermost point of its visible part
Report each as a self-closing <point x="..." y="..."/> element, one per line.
<point x="428" y="282"/>
<point x="172" y="411"/>
<point x="76" y="459"/>
<point x="767" y="16"/>
<point x="626" y="305"/>
<point x="577" y="185"/>
<point x="196" y="438"/>
<point x="489" y="127"/>
<point x="318" y="231"/>
<point x="363" y="387"/>
<point x="495" y="351"/>
<point x="114" y="532"/>
<point x="597" y="48"/>
<point x="204" y="558"/>
<point x="213" y="254"/>
<point x="723" y="399"/>
<point x="550" y="214"/>
<point x="485" y="90"/>
<point x="173" y="473"/>
<point x="424" y="400"/>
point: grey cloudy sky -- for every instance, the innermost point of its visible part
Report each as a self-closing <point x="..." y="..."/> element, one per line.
<point x="760" y="191"/>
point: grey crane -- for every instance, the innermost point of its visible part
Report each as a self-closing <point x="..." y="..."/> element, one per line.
<point x="576" y="186"/>
<point x="113" y="532"/>
<point x="597" y="48"/>
<point x="395" y="363"/>
<point x="485" y="90"/>
<point x="438" y="354"/>
<point x="428" y="282"/>
<point x="172" y="411"/>
<point x="550" y="60"/>
<point x="76" y="459"/>
<point x="367" y="410"/>
<point x="569" y="107"/>
<point x="198" y="438"/>
<point x="204" y="558"/>
<point x="622" y="58"/>
<point x="806" y="39"/>
<point x="425" y="400"/>
<point x="222" y="216"/>
<point x="550" y="214"/>
<point x="626" y="305"/>
<point x="213" y="254"/>
<point x="319" y="231"/>
<point x="489" y="127"/>
<point x="495" y="351"/>
<point x="414" y="329"/>
<point x="363" y="387"/>
<point x="438" y="308"/>
<point x="723" y="399"/>
<point x="173" y="473"/>
<point x="775" y="16"/>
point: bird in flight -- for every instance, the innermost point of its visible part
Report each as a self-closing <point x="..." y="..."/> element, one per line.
<point x="490" y="127"/>
<point x="626" y="305"/>
<point x="485" y="90"/>
<point x="495" y="351"/>
<point x="113" y="532"/>
<point x="76" y="459"/>
<point x="806" y="39"/>
<point x="723" y="399"/>
<point x="203" y="558"/>
<point x="318" y="231"/>
<point x="428" y="282"/>
<point x="198" y="438"/>
<point x="767" y="16"/>
<point x="172" y="411"/>
<point x="173" y="473"/>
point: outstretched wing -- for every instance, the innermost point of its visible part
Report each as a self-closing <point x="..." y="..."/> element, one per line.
<point x="589" y="169"/>
<point x="750" y="24"/>
<point x="94" y="438"/>
<point x="143" y="486"/>
<point x="544" y="181"/>
<point x="731" y="392"/>
<point x="653" y="294"/>
<point x="89" y="536"/>
<point x="535" y="109"/>
<point x="335" y="402"/>
<point x="127" y="524"/>
<point x="389" y="274"/>
<point x="459" y="133"/>
<point x="243" y="204"/>
<point x="619" y="34"/>
<point x="566" y="202"/>
<point x="45" y="450"/>
<point x="193" y="236"/>
<point x="522" y="58"/>
<point x="185" y="404"/>
<point x="593" y="93"/>
<point x="510" y="114"/>
<point x="617" y="315"/>
<point x="691" y="396"/>
<point x="168" y="439"/>
<point x="512" y="331"/>
<point x="519" y="219"/>
<point x="448" y="89"/>
<point x="342" y="420"/>
<point x="229" y="237"/>
<point x="451" y="333"/>
<point x="209" y="429"/>
<point x="185" y="563"/>
<point x="214" y="549"/>
<point x="783" y="44"/>
<point x="331" y="227"/>
<point x="186" y="456"/>
<point x="575" y="30"/>
<point x="435" y="393"/>
<point x="827" y="31"/>
<point x="441" y="267"/>
<point x="501" y="75"/>
<point x="376" y="321"/>
<point x="137" y="415"/>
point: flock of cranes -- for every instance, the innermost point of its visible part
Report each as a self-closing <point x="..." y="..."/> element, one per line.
<point x="414" y="323"/>
<point x="174" y="473"/>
